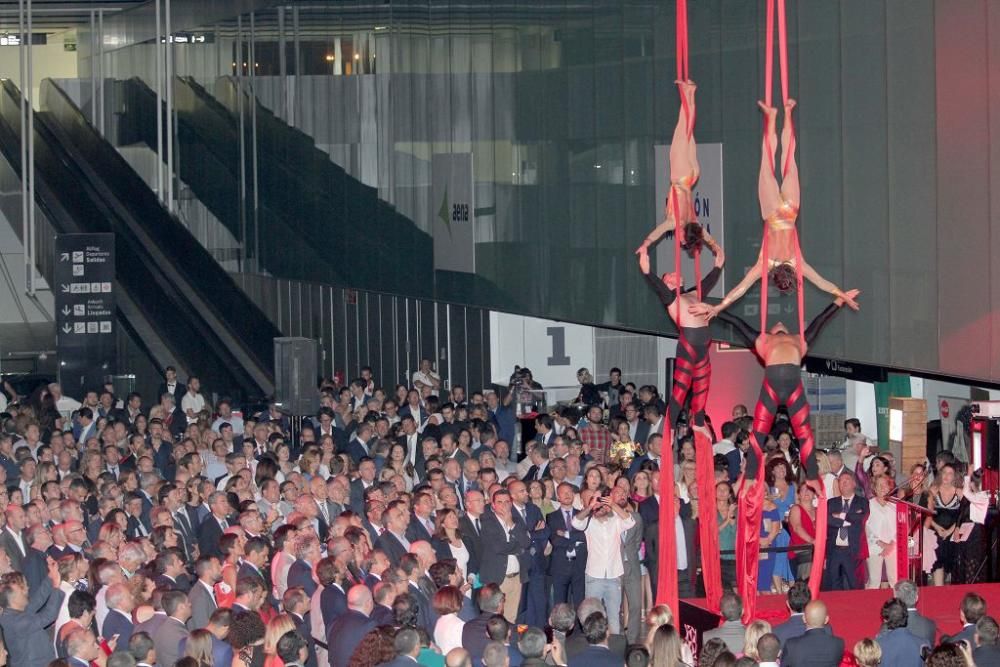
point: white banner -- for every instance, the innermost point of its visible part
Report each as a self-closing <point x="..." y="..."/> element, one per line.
<point x="452" y="212"/>
<point x="553" y="351"/>
<point x="707" y="195"/>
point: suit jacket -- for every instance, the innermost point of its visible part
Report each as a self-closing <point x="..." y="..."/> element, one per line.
<point x="344" y="635"/>
<point x="857" y="513"/>
<point x="493" y="562"/>
<point x="303" y="625"/>
<point x="248" y="570"/>
<point x="901" y="648"/>
<point x="357" y="451"/>
<point x="151" y="625"/>
<point x="132" y="528"/>
<point x="967" y="633"/>
<point x="987" y="656"/>
<point x="473" y="542"/>
<point x="202" y="606"/>
<point x="392" y="547"/>
<point x="795" y="626"/>
<point x="474" y="637"/>
<point x="631" y="543"/>
<point x="222" y="652"/>
<point x="332" y="604"/>
<point x="571" y="540"/>
<point x="180" y="388"/>
<point x="28" y="642"/>
<point x="400" y="661"/>
<point x="426" y="616"/>
<point x="416" y="532"/>
<point x="815" y="648"/>
<point x="539" y="538"/>
<point x="358" y="496"/>
<point x="208" y="537"/>
<point x="300" y="574"/>
<point x="922" y="627"/>
<point x="167" y="639"/>
<point x="117" y="623"/>
<point x="731" y="632"/>
<point x="596" y="656"/>
<point x="35" y="568"/>
<point x="382" y="615"/>
<point x="9" y="544"/>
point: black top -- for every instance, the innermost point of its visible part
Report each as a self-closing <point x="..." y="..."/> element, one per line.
<point x="749" y="334"/>
<point x="668" y="295"/>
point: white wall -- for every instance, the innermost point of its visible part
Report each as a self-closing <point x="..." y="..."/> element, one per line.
<point x="50" y="61"/>
<point x="861" y="405"/>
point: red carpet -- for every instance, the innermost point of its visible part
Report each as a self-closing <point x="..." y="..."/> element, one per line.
<point x="855" y="614"/>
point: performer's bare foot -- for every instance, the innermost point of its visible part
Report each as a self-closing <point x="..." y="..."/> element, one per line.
<point x="790" y="104"/>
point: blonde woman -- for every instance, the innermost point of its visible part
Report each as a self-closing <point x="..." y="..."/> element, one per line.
<point x="665" y="649"/>
<point x="868" y="653"/>
<point x="199" y="647"/>
<point x="826" y="474"/>
<point x="662" y="615"/>
<point x="276" y="629"/>
<point x="753" y="633"/>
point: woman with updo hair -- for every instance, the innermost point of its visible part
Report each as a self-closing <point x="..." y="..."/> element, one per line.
<point x="246" y="636"/>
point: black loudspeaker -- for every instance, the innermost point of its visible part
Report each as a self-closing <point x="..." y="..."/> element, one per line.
<point x="295" y="373"/>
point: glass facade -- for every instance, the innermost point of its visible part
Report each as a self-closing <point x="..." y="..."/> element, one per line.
<point x="345" y="121"/>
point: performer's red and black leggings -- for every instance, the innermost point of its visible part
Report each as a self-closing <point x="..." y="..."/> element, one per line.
<point x="692" y="373"/>
<point x="783" y="386"/>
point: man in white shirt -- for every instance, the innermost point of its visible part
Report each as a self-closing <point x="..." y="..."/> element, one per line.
<point x="193" y="402"/>
<point x="603" y="522"/>
<point x="227" y="416"/>
<point x="64" y="404"/>
<point x="426" y="377"/>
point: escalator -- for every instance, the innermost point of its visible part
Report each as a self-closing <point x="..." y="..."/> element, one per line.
<point x="172" y="295"/>
<point x="344" y="219"/>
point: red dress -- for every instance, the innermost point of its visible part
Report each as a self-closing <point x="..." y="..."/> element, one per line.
<point x="808" y="526"/>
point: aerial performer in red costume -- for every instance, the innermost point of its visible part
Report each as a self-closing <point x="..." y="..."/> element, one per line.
<point x="692" y="368"/>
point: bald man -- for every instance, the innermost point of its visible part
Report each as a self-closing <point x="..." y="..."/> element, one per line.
<point x="345" y="633"/>
<point x="458" y="657"/>
<point x="817" y="647"/>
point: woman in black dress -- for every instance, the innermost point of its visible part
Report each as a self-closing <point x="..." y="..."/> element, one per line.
<point x="945" y="500"/>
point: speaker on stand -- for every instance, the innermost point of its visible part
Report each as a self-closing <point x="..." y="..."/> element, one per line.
<point x="296" y="368"/>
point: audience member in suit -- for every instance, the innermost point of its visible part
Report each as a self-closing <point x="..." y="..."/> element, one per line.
<point x="407" y="647"/>
<point x="568" y="560"/>
<point x="845" y="535"/>
<point x="632" y="576"/>
<point x="500" y="631"/>
<point x="214" y="525"/>
<point x="799" y="596"/>
<point x="168" y="636"/>
<point x="987" y="651"/>
<point x="972" y="609"/>
<point x="11" y="538"/>
<point x="365" y="480"/>
<point x="345" y="633"/>
<point x="35" y="566"/>
<point x="919" y="625"/>
<point x="899" y="646"/>
<point x="652" y="455"/>
<point x="222" y="651"/>
<point x="202" y="595"/>
<point x="474" y="638"/>
<point x="414" y="572"/>
<point x="82" y="648"/>
<point x="471" y="526"/>
<point x="534" y="592"/>
<point x="532" y="644"/>
<point x="597" y="653"/>
<point x="23" y="619"/>
<point x="509" y="538"/>
<point x="300" y="573"/>
<point x="171" y="385"/>
<point x="172" y="571"/>
<point x="393" y="540"/>
<point x="118" y="621"/>
<point x="421" y="526"/>
<point x="816" y="647"/>
<point x="732" y="631"/>
<point x="577" y="642"/>
<point x="332" y="597"/>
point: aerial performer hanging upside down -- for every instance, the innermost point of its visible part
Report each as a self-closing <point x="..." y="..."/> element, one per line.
<point x="692" y="368"/>
<point x="779" y="206"/>
<point x="781" y="353"/>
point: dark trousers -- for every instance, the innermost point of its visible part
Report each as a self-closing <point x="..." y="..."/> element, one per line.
<point x="841" y="569"/>
<point x="569" y="588"/>
<point x="684" y="587"/>
<point x="534" y="609"/>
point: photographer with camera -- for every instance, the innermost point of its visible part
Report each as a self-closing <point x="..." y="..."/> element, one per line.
<point x="603" y="520"/>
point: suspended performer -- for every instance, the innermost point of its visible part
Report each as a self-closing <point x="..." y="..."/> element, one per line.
<point x="781" y="353"/>
<point x="693" y="367"/>
<point x="779" y="207"/>
<point x="679" y="216"/>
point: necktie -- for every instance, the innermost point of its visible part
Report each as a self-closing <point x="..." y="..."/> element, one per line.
<point x="478" y="528"/>
<point x="842" y="533"/>
<point x="569" y="520"/>
<point x="224" y="524"/>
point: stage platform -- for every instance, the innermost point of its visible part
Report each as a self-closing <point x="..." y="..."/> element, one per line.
<point x="855" y="614"/>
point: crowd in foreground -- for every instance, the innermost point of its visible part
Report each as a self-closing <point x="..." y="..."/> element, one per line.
<point x="400" y="526"/>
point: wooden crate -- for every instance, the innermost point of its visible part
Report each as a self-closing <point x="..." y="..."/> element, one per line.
<point x="913" y="446"/>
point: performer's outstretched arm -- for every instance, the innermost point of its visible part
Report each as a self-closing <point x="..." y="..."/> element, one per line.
<point x="744" y="330"/>
<point x="709" y="281"/>
<point x="752" y="276"/>
<point x="666" y="295"/>
<point x="821" y="320"/>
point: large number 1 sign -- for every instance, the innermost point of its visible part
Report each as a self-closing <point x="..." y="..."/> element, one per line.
<point x="558" y="336"/>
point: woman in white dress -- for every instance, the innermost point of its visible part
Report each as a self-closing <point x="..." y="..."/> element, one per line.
<point x="448" y="630"/>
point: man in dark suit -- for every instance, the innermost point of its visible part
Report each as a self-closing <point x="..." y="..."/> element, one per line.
<point x="653" y="445"/>
<point x="218" y="627"/>
<point x="534" y="594"/>
<point x="118" y="621"/>
<point x="393" y="540"/>
<point x="649" y="511"/>
<point x="333" y="597"/>
<point x="899" y="646"/>
<point x="987" y="651"/>
<point x="407" y="645"/>
<point x="365" y="480"/>
<point x="421" y="527"/>
<point x="345" y="633"/>
<point x="11" y="538"/>
<point x="597" y="653"/>
<point x="23" y="619"/>
<point x="214" y="525"/>
<point x="202" y="595"/>
<point x="798" y="597"/>
<point x="568" y="560"/>
<point x="817" y="647"/>
<point x="491" y="602"/>
<point x="35" y="565"/>
<point x="171" y="385"/>
<point x="506" y="537"/>
<point x="168" y="636"/>
<point x="471" y="525"/>
<point x="845" y="523"/>
<point x="918" y="624"/>
<point x="973" y="608"/>
<point x="576" y="643"/>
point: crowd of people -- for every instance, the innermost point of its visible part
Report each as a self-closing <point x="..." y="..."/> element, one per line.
<point x="413" y="525"/>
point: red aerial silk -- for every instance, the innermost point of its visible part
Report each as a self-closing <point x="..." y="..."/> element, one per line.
<point x="666" y="573"/>
<point x="708" y="521"/>
<point x="748" y="521"/>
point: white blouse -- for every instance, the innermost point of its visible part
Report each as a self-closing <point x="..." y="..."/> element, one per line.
<point x="881" y="524"/>
<point x="448" y="632"/>
<point x="461" y="556"/>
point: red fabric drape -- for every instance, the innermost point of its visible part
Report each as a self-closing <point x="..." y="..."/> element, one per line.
<point x="666" y="585"/>
<point x="751" y="503"/>
<point x="708" y="521"/>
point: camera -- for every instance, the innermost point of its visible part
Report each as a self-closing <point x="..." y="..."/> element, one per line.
<point x="519" y="376"/>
